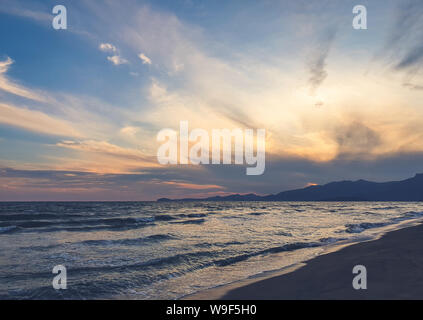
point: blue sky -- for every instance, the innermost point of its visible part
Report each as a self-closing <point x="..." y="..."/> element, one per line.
<point x="80" y="108"/>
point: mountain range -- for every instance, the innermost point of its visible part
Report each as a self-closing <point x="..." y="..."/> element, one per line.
<point x="361" y="190"/>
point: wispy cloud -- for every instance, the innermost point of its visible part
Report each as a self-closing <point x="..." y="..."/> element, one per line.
<point x="74" y="185"/>
<point x="144" y="58"/>
<point x="36" y="121"/>
<point x="413" y="86"/>
<point x="317" y="60"/>
<point x="66" y="114"/>
<point x="4" y="65"/>
<point x="403" y="49"/>
<point x="32" y="11"/>
<point x="412" y="58"/>
<point x="11" y="87"/>
<point x="115" y="158"/>
<point x="408" y="34"/>
<point x="107" y="47"/>
<point x="117" y="60"/>
<point x="192" y="186"/>
<point x="106" y="148"/>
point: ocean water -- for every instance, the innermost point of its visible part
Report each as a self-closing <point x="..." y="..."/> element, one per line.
<point x="147" y="250"/>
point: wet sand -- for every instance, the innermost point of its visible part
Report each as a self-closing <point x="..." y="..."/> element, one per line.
<point x="394" y="266"/>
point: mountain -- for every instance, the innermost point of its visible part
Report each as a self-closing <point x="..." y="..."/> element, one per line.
<point x="361" y="190"/>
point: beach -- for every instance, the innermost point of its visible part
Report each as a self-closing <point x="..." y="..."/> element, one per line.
<point x="393" y="262"/>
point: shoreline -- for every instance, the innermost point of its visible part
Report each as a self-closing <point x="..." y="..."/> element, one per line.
<point x="329" y="274"/>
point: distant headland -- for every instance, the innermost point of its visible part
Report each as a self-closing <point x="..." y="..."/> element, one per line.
<point x="361" y="190"/>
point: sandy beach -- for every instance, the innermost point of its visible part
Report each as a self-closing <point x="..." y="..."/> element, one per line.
<point x="394" y="265"/>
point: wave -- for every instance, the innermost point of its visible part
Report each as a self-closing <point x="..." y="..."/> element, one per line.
<point x="384" y="208"/>
<point x="163" y="217"/>
<point x="360" y="227"/>
<point x="129" y="241"/>
<point x="192" y="215"/>
<point x="80" y="224"/>
<point x="37" y="216"/>
<point x="217" y="244"/>
<point x="286" y="247"/>
<point x="177" y="264"/>
<point x="409" y="215"/>
<point x="193" y="221"/>
<point x="87" y="228"/>
<point x="330" y="240"/>
<point x="282" y="233"/>
<point x="191" y="261"/>
<point x="7" y="229"/>
<point x="257" y="213"/>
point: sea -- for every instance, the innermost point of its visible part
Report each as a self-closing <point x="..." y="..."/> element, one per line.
<point x="167" y="250"/>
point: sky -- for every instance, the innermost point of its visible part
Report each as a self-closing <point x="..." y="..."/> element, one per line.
<point x="80" y="109"/>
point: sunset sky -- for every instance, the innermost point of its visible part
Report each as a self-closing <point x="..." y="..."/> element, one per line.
<point x="80" y="108"/>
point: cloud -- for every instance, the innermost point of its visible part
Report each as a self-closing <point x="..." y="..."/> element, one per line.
<point x="192" y="186"/>
<point x="36" y="121"/>
<point x="30" y="10"/>
<point x="402" y="51"/>
<point x="317" y="60"/>
<point x="55" y="114"/>
<point x="14" y="88"/>
<point x="319" y="104"/>
<point x="39" y="12"/>
<point x="107" y="47"/>
<point x="414" y="57"/>
<point x="404" y="45"/>
<point x="117" y="60"/>
<point x="24" y="184"/>
<point x="413" y="86"/>
<point x="103" y="156"/>
<point x="144" y="58"/>
<point x="409" y="33"/>
<point x="356" y="138"/>
<point x="105" y="148"/>
<point x="129" y="131"/>
<point x="4" y="65"/>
